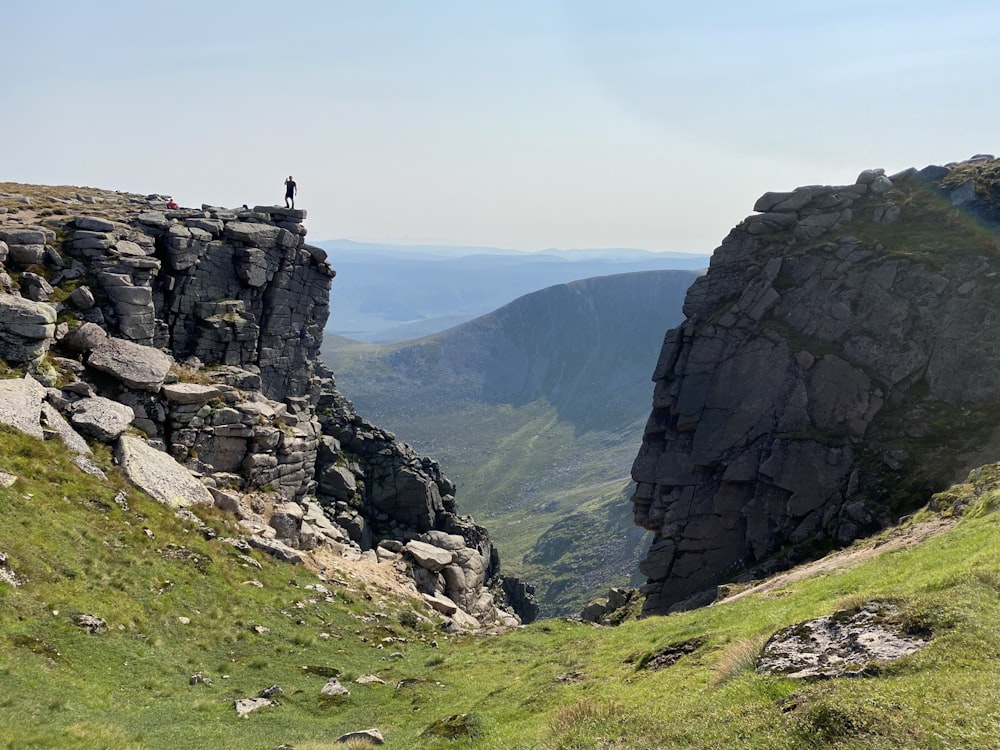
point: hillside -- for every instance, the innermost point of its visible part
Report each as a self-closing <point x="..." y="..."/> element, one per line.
<point x="400" y="292"/>
<point x="185" y="340"/>
<point x="536" y="410"/>
<point x="837" y="364"/>
<point x="192" y="626"/>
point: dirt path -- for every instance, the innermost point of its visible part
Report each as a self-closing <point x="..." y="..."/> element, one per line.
<point x="900" y="537"/>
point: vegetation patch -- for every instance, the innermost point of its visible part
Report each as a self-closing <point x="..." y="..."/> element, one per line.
<point x="667" y="657"/>
<point x="454" y="727"/>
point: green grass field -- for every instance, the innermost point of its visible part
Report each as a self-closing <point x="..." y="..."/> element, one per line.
<point x="554" y="684"/>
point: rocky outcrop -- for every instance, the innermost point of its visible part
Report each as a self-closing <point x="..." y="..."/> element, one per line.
<point x="838" y="362"/>
<point x="849" y="643"/>
<point x="187" y="339"/>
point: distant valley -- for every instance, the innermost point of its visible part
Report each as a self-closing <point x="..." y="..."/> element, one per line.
<point x="386" y="293"/>
<point x="535" y="410"/>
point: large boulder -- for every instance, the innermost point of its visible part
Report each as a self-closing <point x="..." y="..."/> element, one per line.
<point x="101" y="418"/>
<point x="26" y="329"/>
<point x="137" y="366"/>
<point x="158" y="474"/>
<point x="428" y="556"/>
<point x="21" y="405"/>
<point x="55" y="422"/>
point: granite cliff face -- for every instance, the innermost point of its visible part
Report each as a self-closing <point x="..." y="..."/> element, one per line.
<point x="840" y="360"/>
<point x="187" y="339"/>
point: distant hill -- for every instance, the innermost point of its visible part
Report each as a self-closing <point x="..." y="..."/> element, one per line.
<point x="386" y="293"/>
<point x="536" y="411"/>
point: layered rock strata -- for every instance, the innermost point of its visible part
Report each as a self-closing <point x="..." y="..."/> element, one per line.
<point x="839" y="361"/>
<point x="188" y="340"/>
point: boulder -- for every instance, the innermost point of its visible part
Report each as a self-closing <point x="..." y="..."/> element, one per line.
<point x="26" y="329"/>
<point x="158" y="474"/>
<point x="843" y="644"/>
<point x="35" y="287"/>
<point x="441" y="603"/>
<point x="444" y="540"/>
<point x="93" y="224"/>
<point x="190" y="393"/>
<point x="333" y="690"/>
<point x="21" y="405"/>
<point x="428" y="556"/>
<point x="245" y="706"/>
<point x="101" y="418"/>
<point x="54" y="421"/>
<point x="257" y="235"/>
<point x="277" y="549"/>
<point x="137" y="366"/>
<point x="82" y="298"/>
<point x="87" y="337"/>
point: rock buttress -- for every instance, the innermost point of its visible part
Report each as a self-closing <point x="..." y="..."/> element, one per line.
<point x="839" y="361"/>
<point x="202" y="327"/>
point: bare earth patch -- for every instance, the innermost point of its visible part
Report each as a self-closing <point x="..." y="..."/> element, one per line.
<point x="898" y="538"/>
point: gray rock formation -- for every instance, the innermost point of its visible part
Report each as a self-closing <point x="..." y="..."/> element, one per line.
<point x="21" y="405"/>
<point x="136" y="366"/>
<point x="200" y="329"/>
<point x="26" y="328"/>
<point x="838" y="362"/>
<point x="159" y="475"/>
<point x="844" y="644"/>
<point x="101" y="418"/>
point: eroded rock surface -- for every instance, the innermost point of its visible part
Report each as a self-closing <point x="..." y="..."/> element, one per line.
<point x="843" y="644"/>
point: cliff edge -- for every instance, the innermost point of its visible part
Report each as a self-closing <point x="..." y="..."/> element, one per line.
<point x="838" y="363"/>
<point x="187" y="340"/>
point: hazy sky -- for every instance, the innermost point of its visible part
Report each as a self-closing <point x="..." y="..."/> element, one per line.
<point x="522" y="123"/>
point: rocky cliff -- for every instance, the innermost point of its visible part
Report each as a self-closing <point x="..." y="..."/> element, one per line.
<point x="839" y="361"/>
<point x="187" y="340"/>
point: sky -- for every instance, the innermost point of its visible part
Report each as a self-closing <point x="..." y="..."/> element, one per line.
<point x="523" y="124"/>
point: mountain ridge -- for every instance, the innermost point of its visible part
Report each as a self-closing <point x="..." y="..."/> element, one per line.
<point x="387" y="296"/>
<point x="534" y="409"/>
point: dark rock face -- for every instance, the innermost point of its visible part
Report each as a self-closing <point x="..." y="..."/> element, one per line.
<point x="838" y="361"/>
<point x="201" y="328"/>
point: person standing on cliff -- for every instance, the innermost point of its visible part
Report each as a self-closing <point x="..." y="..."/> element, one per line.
<point x="291" y="189"/>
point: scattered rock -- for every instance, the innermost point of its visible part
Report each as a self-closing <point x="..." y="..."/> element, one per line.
<point x="90" y="623"/>
<point x="333" y="691"/>
<point x="844" y="644"/>
<point x="7" y="575"/>
<point x="270" y="692"/>
<point x="245" y="706"/>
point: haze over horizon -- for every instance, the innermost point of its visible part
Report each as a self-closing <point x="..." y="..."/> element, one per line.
<point x="524" y="125"/>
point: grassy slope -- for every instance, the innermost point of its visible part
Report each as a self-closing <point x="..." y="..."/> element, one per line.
<point x="555" y="684"/>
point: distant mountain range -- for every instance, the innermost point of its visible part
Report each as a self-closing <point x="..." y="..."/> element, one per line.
<point x="385" y="293"/>
<point x="536" y="410"/>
